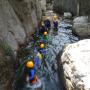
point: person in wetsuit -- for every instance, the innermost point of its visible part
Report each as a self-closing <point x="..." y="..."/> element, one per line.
<point x="31" y="72"/>
<point x="47" y="24"/>
<point x="55" y="23"/>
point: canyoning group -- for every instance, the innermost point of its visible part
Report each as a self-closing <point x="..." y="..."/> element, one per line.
<point x="30" y="65"/>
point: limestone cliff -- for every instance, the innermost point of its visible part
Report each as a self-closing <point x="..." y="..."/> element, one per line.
<point x="18" y="19"/>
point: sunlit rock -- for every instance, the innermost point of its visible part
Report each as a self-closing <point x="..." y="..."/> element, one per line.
<point x="76" y="65"/>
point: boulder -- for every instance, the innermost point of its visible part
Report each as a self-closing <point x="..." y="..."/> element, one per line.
<point x="81" y="27"/>
<point x="81" y="19"/>
<point x="76" y="65"/>
<point x="67" y="15"/>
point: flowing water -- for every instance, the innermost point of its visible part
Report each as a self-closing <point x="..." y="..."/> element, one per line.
<point x="64" y="36"/>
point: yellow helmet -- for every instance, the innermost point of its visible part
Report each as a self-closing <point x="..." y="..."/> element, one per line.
<point x="45" y="33"/>
<point x="55" y="17"/>
<point x="30" y="64"/>
<point x="42" y="45"/>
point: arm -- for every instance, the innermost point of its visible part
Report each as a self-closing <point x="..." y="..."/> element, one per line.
<point x="37" y="63"/>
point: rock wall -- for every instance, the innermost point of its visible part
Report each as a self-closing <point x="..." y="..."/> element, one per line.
<point x="61" y="6"/>
<point x="76" y="7"/>
<point x="18" y="20"/>
<point x="43" y="5"/>
<point x="75" y="62"/>
<point x="7" y="73"/>
<point x="29" y="11"/>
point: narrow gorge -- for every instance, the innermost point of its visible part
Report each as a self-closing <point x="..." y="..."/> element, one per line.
<point x="66" y="66"/>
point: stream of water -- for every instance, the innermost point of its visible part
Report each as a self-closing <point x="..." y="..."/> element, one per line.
<point x="56" y="42"/>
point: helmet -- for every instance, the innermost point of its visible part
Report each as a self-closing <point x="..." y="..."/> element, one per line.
<point x="30" y="64"/>
<point x="42" y="45"/>
<point x="45" y="33"/>
<point x="55" y="17"/>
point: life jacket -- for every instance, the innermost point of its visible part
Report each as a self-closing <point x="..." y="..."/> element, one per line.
<point x="55" y="24"/>
<point x="43" y="51"/>
<point x="41" y="30"/>
<point x="47" y="23"/>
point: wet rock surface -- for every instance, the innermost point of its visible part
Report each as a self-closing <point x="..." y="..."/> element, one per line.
<point x="76" y="61"/>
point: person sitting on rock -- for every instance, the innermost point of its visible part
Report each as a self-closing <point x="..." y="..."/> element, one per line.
<point x="45" y="37"/>
<point x="42" y="49"/>
<point x="30" y="70"/>
<point x="38" y="59"/>
<point x="55" y="23"/>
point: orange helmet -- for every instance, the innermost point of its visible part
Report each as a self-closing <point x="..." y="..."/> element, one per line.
<point x="30" y="64"/>
<point x="45" y="33"/>
<point x="42" y="45"/>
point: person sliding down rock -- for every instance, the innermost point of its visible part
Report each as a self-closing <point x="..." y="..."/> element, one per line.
<point x="35" y="36"/>
<point x="42" y="49"/>
<point x="38" y="60"/>
<point x="45" y="36"/>
<point x="47" y="23"/>
<point x="30" y="71"/>
<point x="55" y="23"/>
